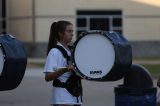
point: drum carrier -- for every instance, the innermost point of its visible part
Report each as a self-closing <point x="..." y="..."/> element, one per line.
<point x="73" y="83"/>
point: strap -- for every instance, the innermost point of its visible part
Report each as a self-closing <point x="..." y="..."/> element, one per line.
<point x="73" y="83"/>
<point x="58" y="83"/>
<point x="64" y="52"/>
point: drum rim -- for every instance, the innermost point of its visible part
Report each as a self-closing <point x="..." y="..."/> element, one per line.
<point x="2" y="49"/>
<point x="77" y="70"/>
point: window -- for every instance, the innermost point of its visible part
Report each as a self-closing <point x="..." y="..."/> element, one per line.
<point x="99" y="20"/>
<point x="3" y="16"/>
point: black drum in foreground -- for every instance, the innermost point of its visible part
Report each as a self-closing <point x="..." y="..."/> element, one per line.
<point x="102" y="55"/>
<point x="13" y="61"/>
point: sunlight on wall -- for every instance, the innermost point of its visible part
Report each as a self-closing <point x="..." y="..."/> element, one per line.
<point x="149" y="2"/>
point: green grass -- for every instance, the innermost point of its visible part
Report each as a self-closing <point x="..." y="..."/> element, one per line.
<point x="146" y="58"/>
<point x="33" y="64"/>
<point x="154" y="69"/>
<point x="38" y="64"/>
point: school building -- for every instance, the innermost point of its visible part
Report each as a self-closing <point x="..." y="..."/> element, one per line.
<point x="30" y="20"/>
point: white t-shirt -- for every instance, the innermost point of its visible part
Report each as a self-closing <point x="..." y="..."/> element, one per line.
<point x="59" y="95"/>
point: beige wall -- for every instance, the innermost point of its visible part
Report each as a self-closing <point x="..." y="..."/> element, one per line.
<point x="141" y="19"/>
<point x="20" y="21"/>
<point x="43" y="27"/>
<point x="19" y="8"/>
<point x="55" y="7"/>
<point x="21" y="29"/>
<point x="142" y="29"/>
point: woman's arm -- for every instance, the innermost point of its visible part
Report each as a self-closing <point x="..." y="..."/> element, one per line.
<point x="53" y="75"/>
<point x="58" y="72"/>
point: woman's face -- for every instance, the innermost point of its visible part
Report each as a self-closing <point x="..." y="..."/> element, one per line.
<point x="68" y="34"/>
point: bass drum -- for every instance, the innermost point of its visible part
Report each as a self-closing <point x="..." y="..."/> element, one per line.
<point x="13" y="61"/>
<point x="101" y="56"/>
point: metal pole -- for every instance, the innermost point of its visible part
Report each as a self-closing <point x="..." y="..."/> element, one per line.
<point x="33" y="22"/>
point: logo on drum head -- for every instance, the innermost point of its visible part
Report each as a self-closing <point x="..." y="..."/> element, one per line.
<point x="97" y="72"/>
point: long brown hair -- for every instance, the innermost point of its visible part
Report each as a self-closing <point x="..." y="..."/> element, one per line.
<point x="56" y="28"/>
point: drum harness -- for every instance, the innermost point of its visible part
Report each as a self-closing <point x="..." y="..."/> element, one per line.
<point x="73" y="83"/>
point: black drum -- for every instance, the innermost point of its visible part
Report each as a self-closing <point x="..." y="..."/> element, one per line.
<point x="101" y="56"/>
<point x="13" y="61"/>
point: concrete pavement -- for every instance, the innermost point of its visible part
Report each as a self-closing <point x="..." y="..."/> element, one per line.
<point x="34" y="91"/>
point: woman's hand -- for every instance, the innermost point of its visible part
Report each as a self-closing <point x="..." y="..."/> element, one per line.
<point x="70" y="67"/>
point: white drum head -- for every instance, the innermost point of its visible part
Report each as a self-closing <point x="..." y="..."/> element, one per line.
<point x="1" y="60"/>
<point x="94" y="56"/>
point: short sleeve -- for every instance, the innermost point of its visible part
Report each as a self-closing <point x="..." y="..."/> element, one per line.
<point x="51" y="61"/>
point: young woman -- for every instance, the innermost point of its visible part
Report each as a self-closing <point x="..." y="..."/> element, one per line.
<point x="61" y="34"/>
